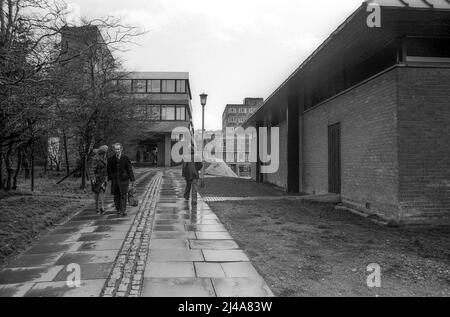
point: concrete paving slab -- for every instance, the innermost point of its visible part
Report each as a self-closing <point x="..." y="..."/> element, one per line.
<point x="160" y="217"/>
<point x="78" y="224"/>
<point x="61" y="289"/>
<point x="225" y="256"/>
<point x="29" y="275"/>
<point x="183" y="287"/>
<point x="35" y="260"/>
<point x="124" y="221"/>
<point x="213" y="236"/>
<point x="74" y="230"/>
<point x="90" y="271"/>
<point x="15" y="290"/>
<point x="101" y="245"/>
<point x="213" y="244"/>
<point x="175" y="256"/>
<point x="241" y="287"/>
<point x="169" y="244"/>
<point x="195" y="221"/>
<point x="176" y="227"/>
<point x="101" y="236"/>
<point x="206" y="228"/>
<point x="170" y="222"/>
<point x="169" y="270"/>
<point x="54" y="248"/>
<point x="206" y="269"/>
<point x="59" y="238"/>
<point x="112" y="228"/>
<point x="88" y="257"/>
<point x="173" y="235"/>
<point x="239" y="269"/>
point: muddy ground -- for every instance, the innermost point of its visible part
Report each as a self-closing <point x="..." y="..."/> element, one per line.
<point x="308" y="249"/>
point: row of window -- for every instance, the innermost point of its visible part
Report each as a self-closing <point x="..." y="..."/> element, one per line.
<point x="236" y="120"/>
<point x="241" y="110"/>
<point x="160" y="113"/>
<point x="152" y="86"/>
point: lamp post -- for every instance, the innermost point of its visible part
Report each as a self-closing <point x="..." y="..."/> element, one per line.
<point x="203" y="100"/>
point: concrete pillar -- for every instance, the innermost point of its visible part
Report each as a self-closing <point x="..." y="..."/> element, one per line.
<point x="161" y="154"/>
<point x="168" y="150"/>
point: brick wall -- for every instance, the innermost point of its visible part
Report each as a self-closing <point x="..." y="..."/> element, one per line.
<point x="368" y="118"/>
<point x="424" y="144"/>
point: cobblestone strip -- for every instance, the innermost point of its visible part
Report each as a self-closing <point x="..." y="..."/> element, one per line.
<point x="127" y="275"/>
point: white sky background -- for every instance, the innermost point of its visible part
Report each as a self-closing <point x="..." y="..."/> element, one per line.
<point x="232" y="48"/>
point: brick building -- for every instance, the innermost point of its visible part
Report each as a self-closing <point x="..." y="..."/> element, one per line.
<point x="367" y="115"/>
<point x="234" y="116"/>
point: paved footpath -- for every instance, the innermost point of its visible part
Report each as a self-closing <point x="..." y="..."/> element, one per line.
<point x="163" y="248"/>
<point x="192" y="254"/>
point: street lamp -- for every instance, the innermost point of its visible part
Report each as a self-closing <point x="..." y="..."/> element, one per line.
<point x="203" y="100"/>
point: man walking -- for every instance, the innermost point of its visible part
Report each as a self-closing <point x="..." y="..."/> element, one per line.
<point x="120" y="173"/>
<point x="191" y="168"/>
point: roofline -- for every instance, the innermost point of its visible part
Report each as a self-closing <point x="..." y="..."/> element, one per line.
<point x="363" y="6"/>
<point x="310" y="57"/>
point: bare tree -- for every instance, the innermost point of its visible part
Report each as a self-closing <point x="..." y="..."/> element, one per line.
<point x="94" y="105"/>
<point x="57" y="80"/>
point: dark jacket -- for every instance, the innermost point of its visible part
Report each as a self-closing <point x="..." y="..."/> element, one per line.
<point x="120" y="172"/>
<point x="191" y="169"/>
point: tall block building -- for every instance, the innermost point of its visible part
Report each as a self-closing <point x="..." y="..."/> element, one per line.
<point x="234" y="116"/>
<point x="367" y="115"/>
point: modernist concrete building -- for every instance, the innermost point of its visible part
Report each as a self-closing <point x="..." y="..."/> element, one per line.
<point x="234" y="116"/>
<point x="163" y="102"/>
<point x="162" y="99"/>
<point x="367" y="115"/>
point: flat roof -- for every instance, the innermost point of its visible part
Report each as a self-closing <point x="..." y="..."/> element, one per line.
<point x="407" y="17"/>
<point x="156" y="75"/>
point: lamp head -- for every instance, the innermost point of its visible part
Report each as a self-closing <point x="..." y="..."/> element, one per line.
<point x="203" y="99"/>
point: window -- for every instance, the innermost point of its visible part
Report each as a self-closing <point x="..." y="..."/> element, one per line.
<point x="168" y="113"/>
<point x="140" y="86"/>
<point x="154" y="113"/>
<point x="125" y="85"/>
<point x="232" y="110"/>
<point x="168" y="86"/>
<point x="242" y="110"/>
<point x="181" y="113"/>
<point x="154" y="86"/>
<point x="181" y="86"/>
<point x="141" y="112"/>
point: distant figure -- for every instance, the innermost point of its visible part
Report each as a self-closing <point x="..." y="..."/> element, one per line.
<point x="138" y="156"/>
<point x="146" y="156"/>
<point x="120" y="173"/>
<point x="191" y="168"/>
<point x="100" y="180"/>
<point x="155" y="157"/>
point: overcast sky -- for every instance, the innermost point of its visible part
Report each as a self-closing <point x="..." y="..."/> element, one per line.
<point x="232" y="48"/>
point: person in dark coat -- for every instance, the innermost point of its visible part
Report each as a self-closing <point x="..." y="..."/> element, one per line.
<point x="101" y="178"/>
<point x="120" y="173"/>
<point x="191" y="168"/>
